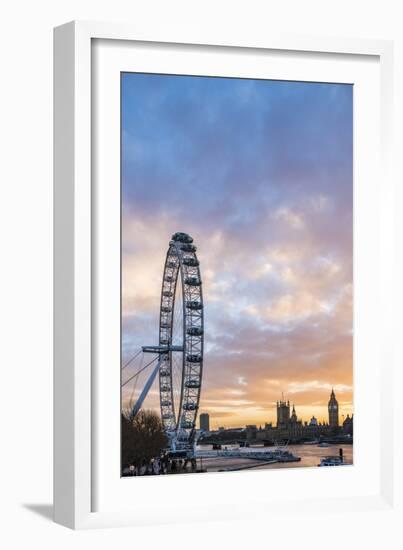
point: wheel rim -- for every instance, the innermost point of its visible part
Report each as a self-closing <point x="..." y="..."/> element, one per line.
<point x="181" y="324"/>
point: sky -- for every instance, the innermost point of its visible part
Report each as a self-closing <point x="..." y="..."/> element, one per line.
<point x="259" y="173"/>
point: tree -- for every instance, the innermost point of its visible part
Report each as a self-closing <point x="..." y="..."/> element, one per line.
<point x="143" y="438"/>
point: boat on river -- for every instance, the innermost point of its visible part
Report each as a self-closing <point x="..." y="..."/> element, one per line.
<point x="331" y="461"/>
<point x="282" y="455"/>
<point x="334" y="460"/>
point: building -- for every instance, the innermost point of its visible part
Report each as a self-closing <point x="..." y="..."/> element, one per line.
<point x="333" y="408"/>
<point x="348" y="425"/>
<point x="283" y="414"/>
<point x="204" y="420"/>
<point x="290" y="428"/>
<point x="293" y="415"/>
<point x="251" y="432"/>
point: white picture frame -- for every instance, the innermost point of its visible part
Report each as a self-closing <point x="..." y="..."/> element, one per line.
<point x="78" y="214"/>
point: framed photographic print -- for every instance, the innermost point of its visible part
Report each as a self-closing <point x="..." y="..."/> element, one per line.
<point x="218" y="266"/>
<point x="271" y="289"/>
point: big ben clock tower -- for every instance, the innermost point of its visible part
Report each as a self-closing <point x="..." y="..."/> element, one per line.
<point x="333" y="408"/>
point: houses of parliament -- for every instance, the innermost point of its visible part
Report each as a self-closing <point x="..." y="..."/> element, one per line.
<point x="290" y="428"/>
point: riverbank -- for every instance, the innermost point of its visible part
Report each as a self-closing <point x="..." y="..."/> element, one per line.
<point x="310" y="456"/>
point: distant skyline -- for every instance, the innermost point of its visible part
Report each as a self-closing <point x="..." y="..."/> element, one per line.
<point x="260" y="174"/>
<point x="273" y="417"/>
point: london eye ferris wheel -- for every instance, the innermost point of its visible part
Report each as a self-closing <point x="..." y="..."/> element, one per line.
<point x="179" y="353"/>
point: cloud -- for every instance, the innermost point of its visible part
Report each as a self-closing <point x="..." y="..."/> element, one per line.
<point x="260" y="174"/>
<point x="290" y="217"/>
<point x="298" y="387"/>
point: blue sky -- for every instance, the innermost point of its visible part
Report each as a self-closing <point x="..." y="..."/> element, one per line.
<point x="260" y="174"/>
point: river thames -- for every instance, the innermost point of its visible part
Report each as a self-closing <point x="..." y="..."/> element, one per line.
<point x="310" y="455"/>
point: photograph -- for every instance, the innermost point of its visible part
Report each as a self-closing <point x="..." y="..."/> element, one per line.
<point x="236" y="274"/>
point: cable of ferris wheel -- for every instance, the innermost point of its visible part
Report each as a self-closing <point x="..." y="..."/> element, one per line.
<point x="132" y="359"/>
<point x="135" y="384"/>
<point x="141" y="370"/>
